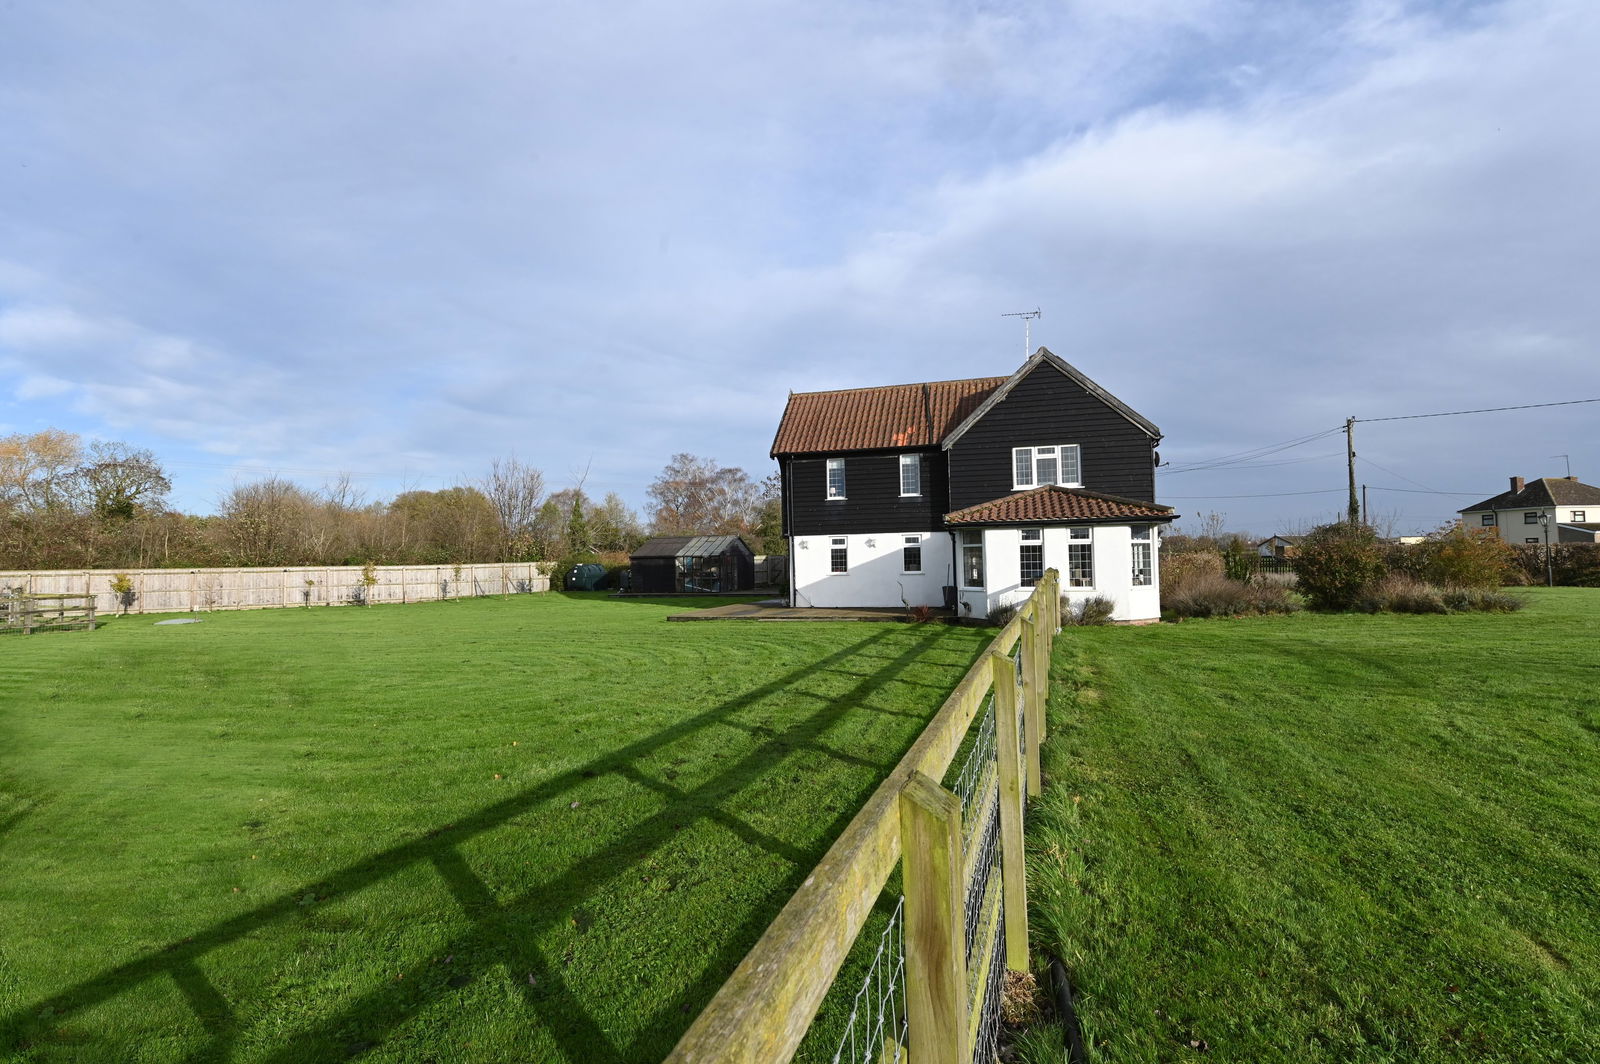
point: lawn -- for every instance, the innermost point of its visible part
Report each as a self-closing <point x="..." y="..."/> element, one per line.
<point x="1328" y="838"/>
<point x="540" y="828"/>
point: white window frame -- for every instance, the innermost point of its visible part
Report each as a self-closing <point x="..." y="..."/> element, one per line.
<point x="970" y="541"/>
<point x="838" y="545"/>
<point x="912" y="462"/>
<point x="1030" y="457"/>
<point x="1030" y="539"/>
<point x="835" y="464"/>
<point x="1142" y="540"/>
<point x="1079" y="541"/>
<point x="910" y="543"/>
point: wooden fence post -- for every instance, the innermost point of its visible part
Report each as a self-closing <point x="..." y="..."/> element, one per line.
<point x="936" y="964"/>
<point x="1032" y="726"/>
<point x="1009" y="755"/>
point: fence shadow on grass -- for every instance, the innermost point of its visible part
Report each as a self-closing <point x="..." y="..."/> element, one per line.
<point x="501" y="934"/>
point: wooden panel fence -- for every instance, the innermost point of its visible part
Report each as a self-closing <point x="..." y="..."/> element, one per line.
<point x="933" y="991"/>
<point x="196" y="590"/>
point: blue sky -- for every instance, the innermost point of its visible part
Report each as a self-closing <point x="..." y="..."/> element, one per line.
<point x="397" y="240"/>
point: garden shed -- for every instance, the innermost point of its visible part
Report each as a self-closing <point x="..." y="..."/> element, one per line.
<point x="692" y="565"/>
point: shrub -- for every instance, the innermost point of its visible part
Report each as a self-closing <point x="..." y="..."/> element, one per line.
<point x="1001" y="616"/>
<point x="1399" y="593"/>
<point x="1480" y="600"/>
<point x="1574" y="564"/>
<point x="1457" y="557"/>
<point x="1090" y="611"/>
<point x="1179" y="568"/>
<point x="1217" y="596"/>
<point x="1337" y="563"/>
<point x="919" y="614"/>
<point x="122" y="587"/>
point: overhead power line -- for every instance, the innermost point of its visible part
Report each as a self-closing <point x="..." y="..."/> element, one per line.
<point x="1484" y="410"/>
<point x="1269" y="495"/>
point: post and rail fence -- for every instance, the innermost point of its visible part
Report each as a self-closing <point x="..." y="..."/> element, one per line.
<point x="931" y="993"/>
<point x="204" y="590"/>
<point x="44" y="612"/>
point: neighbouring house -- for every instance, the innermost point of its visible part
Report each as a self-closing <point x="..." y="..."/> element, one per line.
<point x="1279" y="547"/>
<point x="670" y="565"/>
<point x="962" y="493"/>
<point x="1563" y="508"/>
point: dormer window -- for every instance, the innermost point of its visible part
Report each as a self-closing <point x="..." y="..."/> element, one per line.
<point x="1032" y="467"/>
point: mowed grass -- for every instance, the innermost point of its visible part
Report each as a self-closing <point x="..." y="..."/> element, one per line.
<point x="1328" y="838"/>
<point x="541" y="828"/>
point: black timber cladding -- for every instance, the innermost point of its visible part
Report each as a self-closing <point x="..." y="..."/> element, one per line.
<point x="872" y="502"/>
<point x="1047" y="407"/>
<point x="678" y="564"/>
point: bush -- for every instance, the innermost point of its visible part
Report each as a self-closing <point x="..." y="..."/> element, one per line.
<point x="1479" y="600"/>
<point x="1399" y="593"/>
<point x="1089" y="611"/>
<point x="1337" y="563"/>
<point x="1179" y="568"/>
<point x="1001" y="616"/>
<point x="1458" y="557"/>
<point x="1574" y="564"/>
<point x="1217" y="596"/>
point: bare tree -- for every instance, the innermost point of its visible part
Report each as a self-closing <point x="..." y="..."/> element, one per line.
<point x="516" y="491"/>
<point x="697" y="495"/>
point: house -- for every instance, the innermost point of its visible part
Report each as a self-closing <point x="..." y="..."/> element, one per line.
<point x="1562" y="507"/>
<point x="963" y="492"/>
<point x="1279" y="546"/>
<point x="691" y="564"/>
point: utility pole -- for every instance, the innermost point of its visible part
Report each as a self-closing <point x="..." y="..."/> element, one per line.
<point x="1364" y="507"/>
<point x="1350" y="457"/>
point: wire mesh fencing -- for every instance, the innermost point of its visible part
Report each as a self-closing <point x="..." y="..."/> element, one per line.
<point x="876" y="1030"/>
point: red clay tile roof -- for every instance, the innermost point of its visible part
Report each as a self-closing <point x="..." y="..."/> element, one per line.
<point x="1053" y="505"/>
<point x="865" y="419"/>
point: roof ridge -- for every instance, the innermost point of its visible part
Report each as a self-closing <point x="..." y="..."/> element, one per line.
<point x="908" y="384"/>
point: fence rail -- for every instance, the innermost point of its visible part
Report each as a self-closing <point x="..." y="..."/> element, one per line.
<point x="931" y="991"/>
<point x="45" y="613"/>
<point x="196" y="590"/>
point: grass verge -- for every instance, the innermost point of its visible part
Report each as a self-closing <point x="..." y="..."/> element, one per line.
<point x="1327" y="838"/>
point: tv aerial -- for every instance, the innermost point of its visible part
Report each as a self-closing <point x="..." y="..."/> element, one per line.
<point x="1027" y="317"/>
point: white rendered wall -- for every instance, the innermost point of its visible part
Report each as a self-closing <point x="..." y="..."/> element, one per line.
<point x="1113" y="572"/>
<point x="1511" y="528"/>
<point x="876" y="576"/>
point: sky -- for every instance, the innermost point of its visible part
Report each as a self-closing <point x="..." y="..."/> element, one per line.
<point x="397" y="239"/>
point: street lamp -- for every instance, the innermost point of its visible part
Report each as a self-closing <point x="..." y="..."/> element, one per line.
<point x="1549" y="563"/>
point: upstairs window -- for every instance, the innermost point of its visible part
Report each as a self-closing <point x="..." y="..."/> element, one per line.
<point x="1531" y="517"/>
<point x="1578" y="516"/>
<point x="1032" y="467"/>
<point x="910" y="474"/>
<point x="836" y="478"/>
<point x="1031" y="556"/>
<point x="911" y="555"/>
<point x="1488" y="520"/>
<point x="839" y="554"/>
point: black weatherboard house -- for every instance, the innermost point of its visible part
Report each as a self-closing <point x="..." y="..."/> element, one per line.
<point x="692" y="564"/>
<point x="967" y="490"/>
